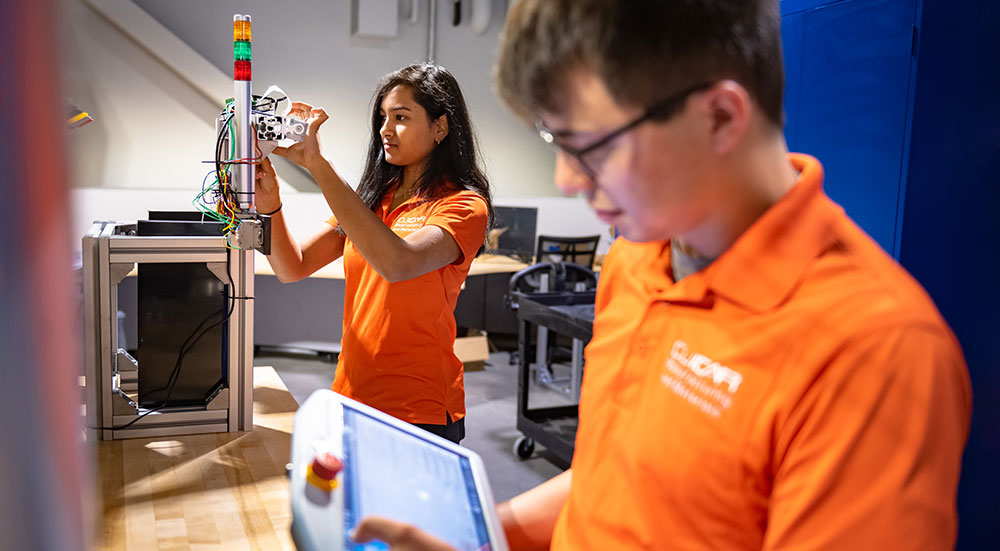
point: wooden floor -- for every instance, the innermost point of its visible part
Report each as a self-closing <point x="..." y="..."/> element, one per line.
<point x="203" y="492"/>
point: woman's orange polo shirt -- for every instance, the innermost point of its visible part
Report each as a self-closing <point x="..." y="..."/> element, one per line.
<point x="397" y="350"/>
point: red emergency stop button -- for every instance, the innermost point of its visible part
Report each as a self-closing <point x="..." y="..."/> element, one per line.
<point x="322" y="473"/>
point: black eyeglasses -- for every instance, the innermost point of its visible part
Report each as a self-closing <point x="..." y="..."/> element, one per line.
<point x="660" y="109"/>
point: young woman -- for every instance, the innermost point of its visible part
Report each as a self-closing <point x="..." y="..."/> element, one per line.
<point x="407" y="235"/>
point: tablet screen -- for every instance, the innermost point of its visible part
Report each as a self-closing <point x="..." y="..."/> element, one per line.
<point x="393" y="474"/>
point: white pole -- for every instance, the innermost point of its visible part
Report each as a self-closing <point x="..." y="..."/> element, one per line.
<point x="244" y="172"/>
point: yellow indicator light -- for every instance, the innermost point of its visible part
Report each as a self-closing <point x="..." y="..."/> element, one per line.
<point x="241" y="30"/>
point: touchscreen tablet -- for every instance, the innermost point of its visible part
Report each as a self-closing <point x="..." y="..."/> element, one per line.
<point x="389" y="468"/>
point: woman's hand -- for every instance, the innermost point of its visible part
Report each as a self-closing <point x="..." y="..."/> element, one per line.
<point x="266" y="194"/>
<point x="399" y="536"/>
<point x="307" y="151"/>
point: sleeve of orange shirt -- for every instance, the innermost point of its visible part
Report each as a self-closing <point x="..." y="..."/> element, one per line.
<point x="332" y="220"/>
<point x="869" y="458"/>
<point x="464" y="217"/>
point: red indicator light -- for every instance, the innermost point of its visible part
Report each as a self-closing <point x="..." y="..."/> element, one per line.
<point x="241" y="70"/>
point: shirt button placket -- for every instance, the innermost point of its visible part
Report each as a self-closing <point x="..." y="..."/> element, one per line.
<point x="635" y="366"/>
<point x="641" y="347"/>
<point x="643" y="343"/>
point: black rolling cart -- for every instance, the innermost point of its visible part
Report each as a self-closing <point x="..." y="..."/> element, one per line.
<point x="564" y="313"/>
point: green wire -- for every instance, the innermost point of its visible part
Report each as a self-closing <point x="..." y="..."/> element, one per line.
<point x="198" y="201"/>
<point x="232" y="140"/>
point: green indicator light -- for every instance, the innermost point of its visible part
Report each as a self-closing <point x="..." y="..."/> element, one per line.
<point x="241" y="50"/>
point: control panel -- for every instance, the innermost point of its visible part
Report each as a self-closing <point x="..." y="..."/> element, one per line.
<point x="317" y="489"/>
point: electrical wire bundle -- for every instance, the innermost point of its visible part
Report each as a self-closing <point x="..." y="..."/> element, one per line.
<point x="218" y="200"/>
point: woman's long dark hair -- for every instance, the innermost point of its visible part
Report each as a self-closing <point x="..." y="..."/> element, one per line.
<point x="454" y="161"/>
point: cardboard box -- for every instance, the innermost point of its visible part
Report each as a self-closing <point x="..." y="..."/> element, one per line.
<point x="472" y="347"/>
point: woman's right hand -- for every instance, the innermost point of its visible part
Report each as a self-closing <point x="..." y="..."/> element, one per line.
<point x="266" y="194"/>
<point x="308" y="151"/>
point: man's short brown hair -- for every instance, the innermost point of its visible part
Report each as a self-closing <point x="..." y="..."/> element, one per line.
<point x="643" y="51"/>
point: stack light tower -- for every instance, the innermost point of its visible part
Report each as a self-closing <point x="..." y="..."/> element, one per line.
<point x="243" y="104"/>
<point x="216" y="385"/>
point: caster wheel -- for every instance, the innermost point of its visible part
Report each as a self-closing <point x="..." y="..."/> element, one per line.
<point x="524" y="447"/>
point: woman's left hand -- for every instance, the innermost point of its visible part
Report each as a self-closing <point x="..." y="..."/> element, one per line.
<point x="308" y="150"/>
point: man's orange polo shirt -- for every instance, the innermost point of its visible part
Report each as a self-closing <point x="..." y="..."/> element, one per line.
<point x="397" y="350"/>
<point x="800" y="392"/>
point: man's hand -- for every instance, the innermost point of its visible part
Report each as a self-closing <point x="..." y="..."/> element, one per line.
<point x="399" y="536"/>
<point x="529" y="519"/>
<point x="307" y="151"/>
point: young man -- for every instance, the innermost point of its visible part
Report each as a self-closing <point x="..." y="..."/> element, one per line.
<point x="762" y="375"/>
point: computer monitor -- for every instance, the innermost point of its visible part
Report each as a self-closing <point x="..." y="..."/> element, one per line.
<point x="514" y="228"/>
<point x="390" y="469"/>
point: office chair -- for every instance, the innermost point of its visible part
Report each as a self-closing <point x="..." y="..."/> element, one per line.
<point x="563" y="277"/>
<point x="578" y="250"/>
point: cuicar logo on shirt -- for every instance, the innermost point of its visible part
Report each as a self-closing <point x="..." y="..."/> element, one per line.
<point x="408" y="223"/>
<point x="701" y="381"/>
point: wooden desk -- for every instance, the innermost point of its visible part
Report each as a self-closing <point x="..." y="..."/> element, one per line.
<point x="308" y="314"/>
<point x="495" y="264"/>
<point x="483" y="264"/>
<point x="207" y="491"/>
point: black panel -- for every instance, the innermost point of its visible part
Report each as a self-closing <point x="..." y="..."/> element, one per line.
<point x="185" y="215"/>
<point x="175" y="302"/>
<point x="469" y="306"/>
<point x="498" y="318"/>
<point x="148" y="228"/>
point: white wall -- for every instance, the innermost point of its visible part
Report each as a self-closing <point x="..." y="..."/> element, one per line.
<point x="154" y="110"/>
<point x="153" y="128"/>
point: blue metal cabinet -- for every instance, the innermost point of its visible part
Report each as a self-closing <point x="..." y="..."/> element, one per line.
<point x="847" y="87"/>
<point x="900" y="101"/>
